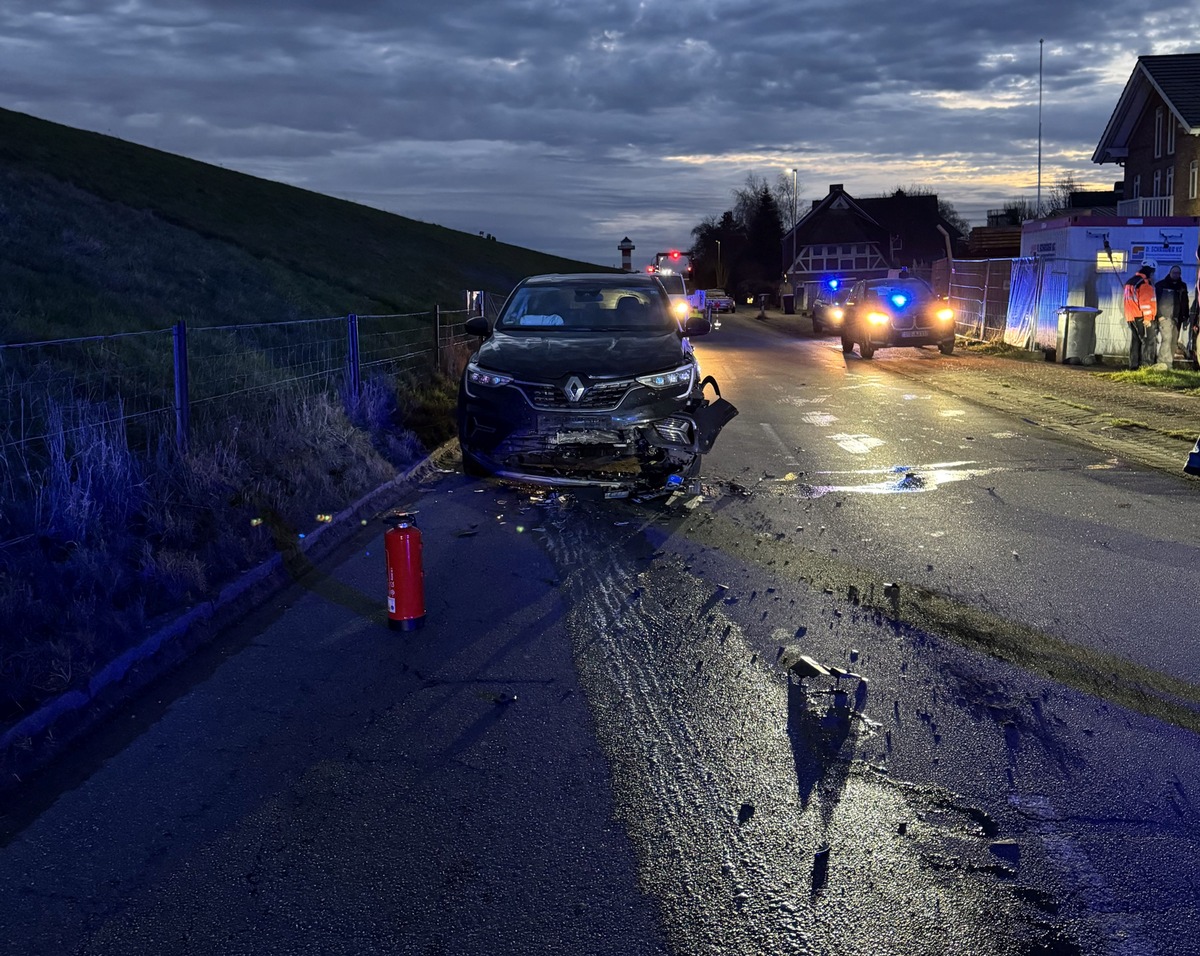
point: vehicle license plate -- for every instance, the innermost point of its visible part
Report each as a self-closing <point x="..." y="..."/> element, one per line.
<point x="913" y="333"/>
<point x="573" y="423"/>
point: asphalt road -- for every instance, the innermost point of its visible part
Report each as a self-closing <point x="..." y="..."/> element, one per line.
<point x="594" y="745"/>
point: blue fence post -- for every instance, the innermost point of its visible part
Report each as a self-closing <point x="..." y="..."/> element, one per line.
<point x="353" y="369"/>
<point x="183" y="411"/>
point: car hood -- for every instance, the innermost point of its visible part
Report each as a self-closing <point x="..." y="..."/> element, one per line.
<point x="530" y="356"/>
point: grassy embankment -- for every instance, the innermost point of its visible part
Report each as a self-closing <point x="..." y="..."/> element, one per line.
<point x="104" y="529"/>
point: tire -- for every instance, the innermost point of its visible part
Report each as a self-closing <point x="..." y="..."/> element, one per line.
<point x="946" y="348"/>
<point x="847" y="344"/>
<point x="866" y="349"/>
<point x="817" y="328"/>
<point x="471" y="468"/>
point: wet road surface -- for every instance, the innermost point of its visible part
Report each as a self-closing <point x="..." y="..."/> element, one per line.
<point x="596" y="744"/>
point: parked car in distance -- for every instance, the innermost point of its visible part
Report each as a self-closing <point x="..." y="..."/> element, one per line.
<point x="882" y="313"/>
<point x="681" y="296"/>
<point x="827" y="309"/>
<point x="720" y="300"/>
<point x="588" y="379"/>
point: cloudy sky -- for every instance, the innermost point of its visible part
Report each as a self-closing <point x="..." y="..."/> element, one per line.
<point x="565" y="125"/>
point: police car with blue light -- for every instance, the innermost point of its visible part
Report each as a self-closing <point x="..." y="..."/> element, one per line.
<point x="899" y="311"/>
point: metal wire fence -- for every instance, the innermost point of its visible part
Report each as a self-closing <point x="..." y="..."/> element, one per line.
<point x="150" y="384"/>
<point x="979" y="293"/>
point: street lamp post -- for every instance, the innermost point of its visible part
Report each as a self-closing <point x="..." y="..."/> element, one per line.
<point x="720" y="278"/>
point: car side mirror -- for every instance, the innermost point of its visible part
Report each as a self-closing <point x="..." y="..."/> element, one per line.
<point x="477" y="325"/>
<point x="696" y="325"/>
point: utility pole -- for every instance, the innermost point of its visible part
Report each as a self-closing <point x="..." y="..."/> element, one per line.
<point x="1038" y="210"/>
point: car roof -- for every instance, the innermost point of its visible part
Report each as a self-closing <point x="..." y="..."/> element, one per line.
<point x="619" y="279"/>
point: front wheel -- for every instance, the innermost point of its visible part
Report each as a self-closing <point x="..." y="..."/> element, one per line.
<point x="817" y="329"/>
<point x="847" y="344"/>
<point x="866" y="349"/>
<point x="946" y="347"/>
<point x="470" y="464"/>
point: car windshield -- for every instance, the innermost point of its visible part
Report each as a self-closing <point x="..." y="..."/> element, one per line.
<point x="909" y="288"/>
<point x="674" y="284"/>
<point x="715" y="292"/>
<point x="583" y="307"/>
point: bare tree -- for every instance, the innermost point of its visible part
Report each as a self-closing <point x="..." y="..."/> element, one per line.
<point x="746" y="199"/>
<point x="1059" y="196"/>
<point x="787" y="200"/>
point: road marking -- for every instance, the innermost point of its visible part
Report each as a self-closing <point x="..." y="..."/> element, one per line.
<point x="857" y="444"/>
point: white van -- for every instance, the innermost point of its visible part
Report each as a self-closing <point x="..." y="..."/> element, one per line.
<point x="677" y="288"/>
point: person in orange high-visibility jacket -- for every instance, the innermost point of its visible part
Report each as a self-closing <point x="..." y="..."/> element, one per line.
<point x="1140" y="310"/>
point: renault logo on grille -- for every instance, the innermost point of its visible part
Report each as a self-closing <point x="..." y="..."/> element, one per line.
<point x="574" y="389"/>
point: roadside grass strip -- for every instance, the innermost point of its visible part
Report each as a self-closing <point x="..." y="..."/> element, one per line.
<point x="1172" y="379"/>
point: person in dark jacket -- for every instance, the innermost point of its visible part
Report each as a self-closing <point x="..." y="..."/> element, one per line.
<point x="1171" y="298"/>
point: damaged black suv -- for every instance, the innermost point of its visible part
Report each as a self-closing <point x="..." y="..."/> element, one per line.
<point x="588" y="380"/>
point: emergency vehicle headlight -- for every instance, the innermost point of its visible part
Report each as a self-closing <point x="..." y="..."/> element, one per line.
<point x="945" y="314"/>
<point x="681" y="310"/>
<point x="878" y="318"/>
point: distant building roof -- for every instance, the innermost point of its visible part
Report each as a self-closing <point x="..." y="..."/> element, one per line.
<point x="904" y="223"/>
<point x="1176" y="78"/>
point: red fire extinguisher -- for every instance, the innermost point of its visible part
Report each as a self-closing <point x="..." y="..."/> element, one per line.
<point x="405" y="575"/>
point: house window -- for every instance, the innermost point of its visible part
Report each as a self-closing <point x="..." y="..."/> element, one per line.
<point x="1158" y="182"/>
<point x="1137" y="186"/>
<point x="1171" y="124"/>
<point x="1158" y="131"/>
<point x="1170" y="191"/>
<point x="1193" y="178"/>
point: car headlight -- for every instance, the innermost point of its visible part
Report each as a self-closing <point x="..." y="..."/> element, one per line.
<point x="837" y="314"/>
<point x="681" y="310"/>
<point x="478" y="376"/>
<point x="676" y="378"/>
<point x="945" y="314"/>
<point x="877" y="318"/>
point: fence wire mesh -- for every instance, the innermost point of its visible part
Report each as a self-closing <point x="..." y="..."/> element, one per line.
<point x="979" y="293"/>
<point x="52" y="392"/>
<point x="58" y="390"/>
